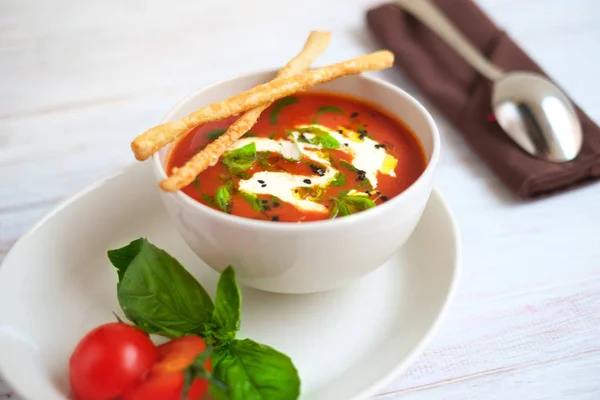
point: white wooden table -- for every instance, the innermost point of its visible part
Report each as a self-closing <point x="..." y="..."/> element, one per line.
<point x="78" y="79"/>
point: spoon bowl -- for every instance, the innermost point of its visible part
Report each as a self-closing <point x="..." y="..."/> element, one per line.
<point x="537" y="116"/>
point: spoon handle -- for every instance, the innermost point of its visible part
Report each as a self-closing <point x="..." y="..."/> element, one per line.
<point x="431" y="16"/>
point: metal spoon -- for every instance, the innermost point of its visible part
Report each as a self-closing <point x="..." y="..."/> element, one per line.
<point x="535" y="113"/>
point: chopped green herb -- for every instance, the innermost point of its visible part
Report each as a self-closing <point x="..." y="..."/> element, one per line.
<point x="322" y="137"/>
<point x="348" y="165"/>
<point x="326" y="109"/>
<point x="312" y="193"/>
<point x="208" y="200"/>
<point x="272" y="135"/>
<point x="249" y="135"/>
<point x="327" y="141"/>
<point x="364" y="183"/>
<point x="339" y="179"/>
<point x="281" y="104"/>
<point x="253" y="200"/>
<point x="302" y="138"/>
<point x="240" y="159"/>
<point x="212" y="135"/>
<point x="223" y="197"/>
<point x="347" y="205"/>
<point x="197" y="182"/>
<point x="362" y="132"/>
<point x="263" y="159"/>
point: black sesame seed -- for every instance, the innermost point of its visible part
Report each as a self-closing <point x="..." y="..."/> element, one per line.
<point x="276" y="204"/>
<point x="264" y="201"/>
<point x="340" y="131"/>
<point x="317" y="170"/>
<point x="354" y="115"/>
<point x="263" y="185"/>
<point x="261" y="181"/>
<point x="384" y="198"/>
<point x="266" y="208"/>
<point x="275" y="218"/>
<point x="368" y="192"/>
<point x="307" y="181"/>
<point x="346" y="144"/>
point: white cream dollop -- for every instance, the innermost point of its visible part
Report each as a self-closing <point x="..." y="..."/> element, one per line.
<point x="366" y="156"/>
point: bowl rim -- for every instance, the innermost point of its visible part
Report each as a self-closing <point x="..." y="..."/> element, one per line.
<point x="310" y="225"/>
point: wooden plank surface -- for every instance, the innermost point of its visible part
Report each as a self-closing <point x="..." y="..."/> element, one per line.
<point x="78" y="79"/>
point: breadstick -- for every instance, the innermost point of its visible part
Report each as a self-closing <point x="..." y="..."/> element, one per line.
<point x="150" y="141"/>
<point x="315" y="45"/>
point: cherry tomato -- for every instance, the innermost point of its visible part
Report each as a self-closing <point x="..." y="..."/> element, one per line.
<point x="165" y="380"/>
<point x="109" y="360"/>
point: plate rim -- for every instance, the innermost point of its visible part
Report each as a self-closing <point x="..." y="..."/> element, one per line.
<point x="373" y="387"/>
<point x="442" y="313"/>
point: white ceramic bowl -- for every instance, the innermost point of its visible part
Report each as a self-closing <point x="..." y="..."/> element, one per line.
<point x="313" y="256"/>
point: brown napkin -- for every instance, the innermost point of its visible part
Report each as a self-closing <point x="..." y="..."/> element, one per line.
<point x="464" y="96"/>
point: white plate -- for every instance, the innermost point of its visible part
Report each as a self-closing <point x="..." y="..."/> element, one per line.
<point x="57" y="283"/>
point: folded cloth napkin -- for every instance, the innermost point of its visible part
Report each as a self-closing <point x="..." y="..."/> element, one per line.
<point x="463" y="96"/>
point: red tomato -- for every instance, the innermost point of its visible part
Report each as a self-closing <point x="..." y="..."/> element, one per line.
<point x="165" y="380"/>
<point x="109" y="360"/>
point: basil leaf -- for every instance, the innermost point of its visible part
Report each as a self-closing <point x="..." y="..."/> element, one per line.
<point x="156" y="292"/>
<point x="347" y="205"/>
<point x="248" y="135"/>
<point x="121" y="258"/>
<point x="228" y="307"/>
<point x="348" y="165"/>
<point x="197" y="182"/>
<point x="208" y="200"/>
<point x="263" y="159"/>
<point x="339" y="180"/>
<point x="253" y="371"/>
<point x="223" y="197"/>
<point x="286" y="101"/>
<point x="215" y="134"/>
<point x="326" y="109"/>
<point x="326" y="141"/>
<point x="240" y="159"/>
<point x="253" y="200"/>
<point x="302" y="138"/>
<point x="322" y="137"/>
<point x="272" y="135"/>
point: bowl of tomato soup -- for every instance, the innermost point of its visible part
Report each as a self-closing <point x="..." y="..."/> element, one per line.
<point x="323" y="189"/>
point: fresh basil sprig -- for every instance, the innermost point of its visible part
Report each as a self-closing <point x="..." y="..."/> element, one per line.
<point x="159" y="296"/>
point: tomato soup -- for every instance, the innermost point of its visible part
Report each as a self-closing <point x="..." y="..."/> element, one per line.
<point x="311" y="156"/>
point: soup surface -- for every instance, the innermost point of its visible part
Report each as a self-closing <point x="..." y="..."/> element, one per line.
<point x="311" y="156"/>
